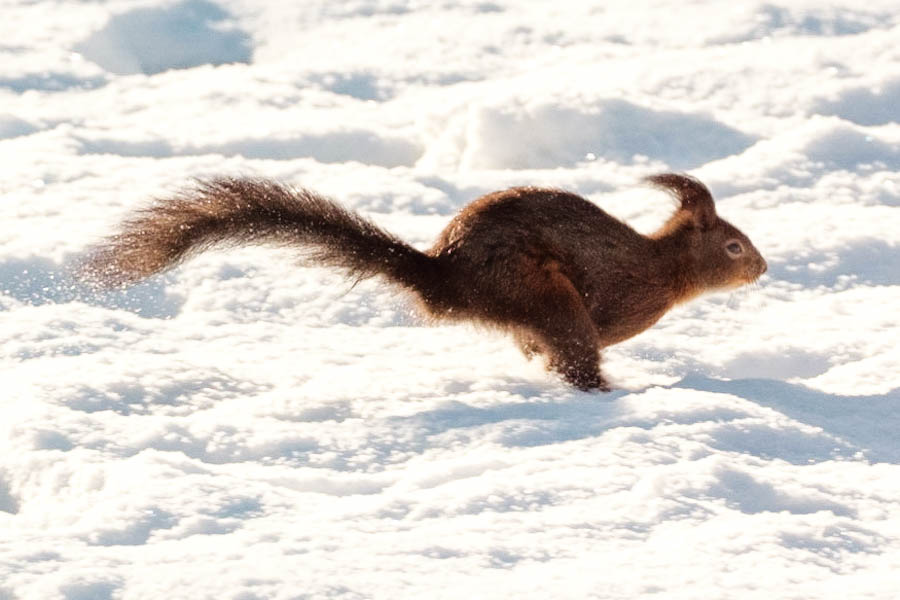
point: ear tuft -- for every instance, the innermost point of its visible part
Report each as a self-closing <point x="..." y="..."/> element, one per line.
<point x="694" y="196"/>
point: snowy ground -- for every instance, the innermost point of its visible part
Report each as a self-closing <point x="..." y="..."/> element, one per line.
<point x="241" y="428"/>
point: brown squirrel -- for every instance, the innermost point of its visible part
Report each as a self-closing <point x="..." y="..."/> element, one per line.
<point x="562" y="275"/>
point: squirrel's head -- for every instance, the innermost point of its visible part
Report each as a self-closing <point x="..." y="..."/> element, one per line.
<point x="718" y="254"/>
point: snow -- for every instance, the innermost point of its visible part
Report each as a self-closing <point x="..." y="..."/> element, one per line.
<point x="156" y="39"/>
<point x="244" y="428"/>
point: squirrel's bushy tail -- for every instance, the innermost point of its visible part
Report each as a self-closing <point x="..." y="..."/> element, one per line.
<point x="226" y="212"/>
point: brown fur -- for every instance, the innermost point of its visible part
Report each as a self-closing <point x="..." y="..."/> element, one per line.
<point x="562" y="275"/>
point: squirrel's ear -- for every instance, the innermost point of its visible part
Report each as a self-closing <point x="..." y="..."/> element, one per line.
<point x="694" y="196"/>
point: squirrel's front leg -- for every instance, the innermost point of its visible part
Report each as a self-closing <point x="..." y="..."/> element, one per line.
<point x="557" y="325"/>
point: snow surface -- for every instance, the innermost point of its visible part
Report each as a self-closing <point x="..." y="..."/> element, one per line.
<point x="243" y="428"/>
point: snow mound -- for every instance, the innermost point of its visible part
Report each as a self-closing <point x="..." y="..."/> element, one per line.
<point x="820" y="21"/>
<point x="874" y="262"/>
<point x="863" y="422"/>
<point x="8" y="504"/>
<point x="847" y="148"/>
<point x="359" y="85"/>
<point x="357" y="145"/>
<point x="800" y="156"/>
<point x="13" y="127"/>
<point x="367" y="147"/>
<point x="48" y="81"/>
<point x="866" y="105"/>
<point x="180" y="36"/>
<point x="547" y="135"/>
<point x="36" y="281"/>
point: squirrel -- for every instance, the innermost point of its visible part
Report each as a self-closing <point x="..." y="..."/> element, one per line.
<point x="552" y="268"/>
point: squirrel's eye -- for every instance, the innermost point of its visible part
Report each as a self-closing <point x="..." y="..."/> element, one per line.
<point x="734" y="248"/>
